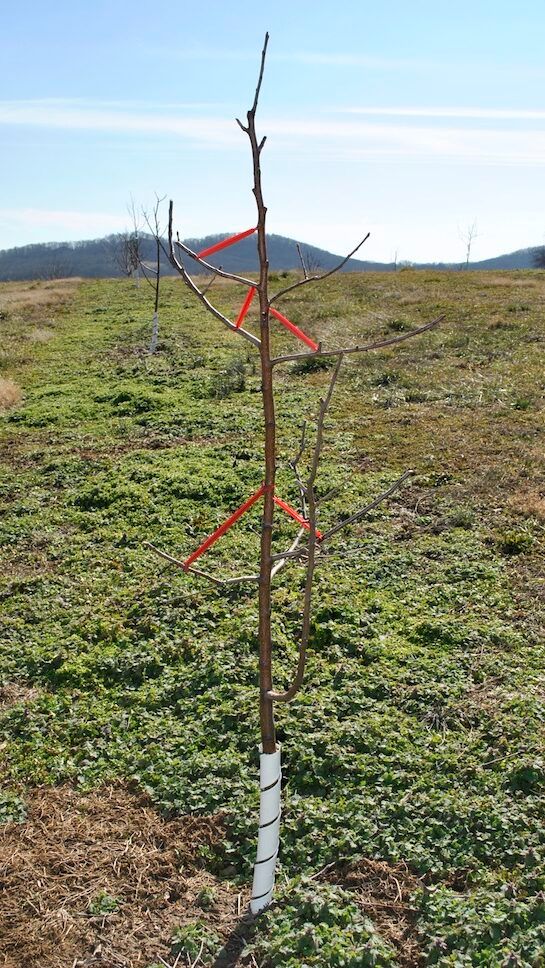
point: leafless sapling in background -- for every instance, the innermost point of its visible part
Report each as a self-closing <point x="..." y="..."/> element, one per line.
<point x="468" y="237"/>
<point x="126" y="253"/>
<point x="126" y="248"/>
<point x="310" y="547"/>
<point x="152" y="273"/>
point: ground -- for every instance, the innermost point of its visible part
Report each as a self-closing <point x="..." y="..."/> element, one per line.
<point x="414" y="812"/>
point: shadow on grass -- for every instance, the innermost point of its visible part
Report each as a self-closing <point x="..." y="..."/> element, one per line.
<point x="233" y="949"/>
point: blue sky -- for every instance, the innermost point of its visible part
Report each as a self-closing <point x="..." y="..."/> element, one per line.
<point x="411" y="120"/>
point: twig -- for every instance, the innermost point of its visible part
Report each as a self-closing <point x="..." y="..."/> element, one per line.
<point x="323" y="275"/>
<point x="377" y="345"/>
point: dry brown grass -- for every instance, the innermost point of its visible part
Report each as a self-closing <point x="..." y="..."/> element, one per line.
<point x="31" y="293"/>
<point x="12" y="693"/>
<point x="72" y="850"/>
<point x="384" y="893"/>
<point x="530" y="502"/>
<point x="10" y="394"/>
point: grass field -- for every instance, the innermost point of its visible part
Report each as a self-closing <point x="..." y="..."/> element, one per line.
<point x="414" y="799"/>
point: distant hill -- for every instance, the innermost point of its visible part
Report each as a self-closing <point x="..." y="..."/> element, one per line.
<point x="97" y="258"/>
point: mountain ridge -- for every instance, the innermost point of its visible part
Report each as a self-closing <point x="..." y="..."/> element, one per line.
<point x="99" y="258"/>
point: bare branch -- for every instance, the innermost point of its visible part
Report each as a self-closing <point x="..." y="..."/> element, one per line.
<point x="301" y="552"/>
<point x="192" y="285"/>
<point x="253" y="109"/>
<point x="302" y="261"/>
<point x="368" y="507"/>
<point x="323" y="275"/>
<point x="297" y="682"/>
<point x="282" y="559"/>
<point x="210" y="284"/>
<point x="220" y="582"/>
<point x="208" y="265"/>
<point x="365" y="348"/>
<point x="294" y="464"/>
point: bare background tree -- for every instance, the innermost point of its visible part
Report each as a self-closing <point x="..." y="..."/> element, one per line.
<point x="152" y="273"/>
<point x="468" y="237"/>
<point x="126" y="247"/>
<point x="311" y="546"/>
<point x="57" y="269"/>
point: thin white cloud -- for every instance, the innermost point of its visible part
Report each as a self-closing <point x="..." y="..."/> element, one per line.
<point x="336" y="135"/>
<point x="491" y="114"/>
<point x="83" y="117"/>
<point x="69" y="221"/>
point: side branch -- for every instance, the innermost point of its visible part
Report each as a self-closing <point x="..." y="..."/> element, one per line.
<point x="192" y="285"/>
<point x="207" y="265"/>
<point x="297" y="682"/>
<point x="323" y="275"/>
<point x="364" y="348"/>
<point x="220" y="582"/>
<point x="301" y="552"/>
<point x="368" y="507"/>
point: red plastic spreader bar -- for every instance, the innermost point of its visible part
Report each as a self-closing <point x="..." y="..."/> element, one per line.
<point x="295" y="515"/>
<point x="245" y="306"/>
<point x="223" y="245"/>
<point x="223" y="528"/>
<point x="294" y="329"/>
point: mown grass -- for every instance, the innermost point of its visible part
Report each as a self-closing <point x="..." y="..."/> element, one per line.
<point x="419" y="735"/>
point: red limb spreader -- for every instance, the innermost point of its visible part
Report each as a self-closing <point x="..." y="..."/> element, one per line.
<point x="223" y="245"/>
<point x="295" y="515"/>
<point x="223" y="528"/>
<point x="245" y="306"/>
<point x="294" y="329"/>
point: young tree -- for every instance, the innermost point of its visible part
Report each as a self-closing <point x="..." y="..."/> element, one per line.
<point x="152" y="273"/>
<point x="310" y="544"/>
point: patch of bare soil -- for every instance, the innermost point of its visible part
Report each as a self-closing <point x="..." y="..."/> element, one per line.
<point x="384" y="892"/>
<point x="101" y="879"/>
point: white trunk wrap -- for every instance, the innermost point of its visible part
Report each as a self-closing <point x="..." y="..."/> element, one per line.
<point x="270" y="776"/>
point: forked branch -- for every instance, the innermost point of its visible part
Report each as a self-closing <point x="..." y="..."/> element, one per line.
<point x="324" y="275"/>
